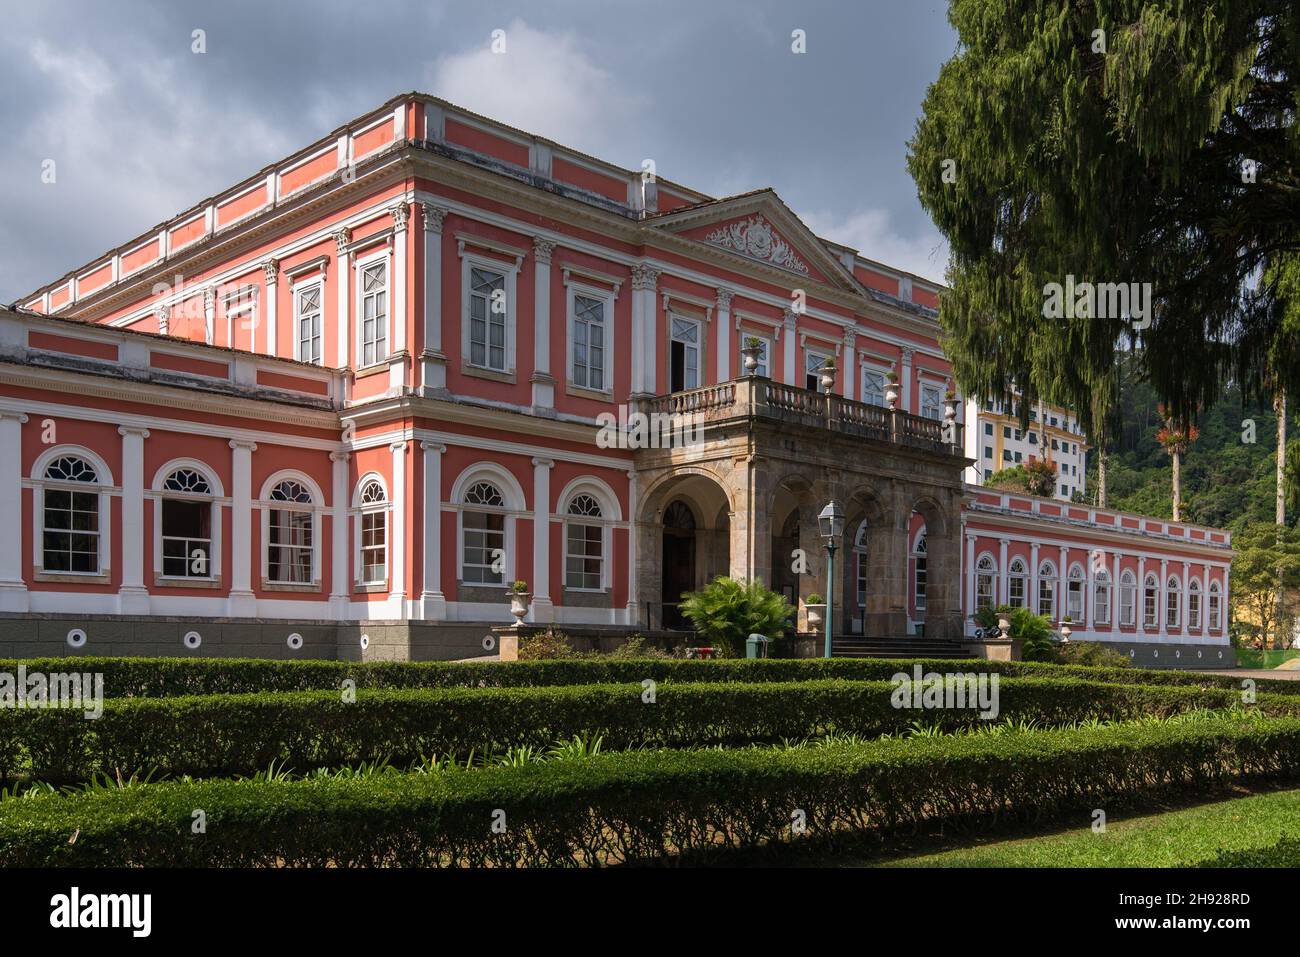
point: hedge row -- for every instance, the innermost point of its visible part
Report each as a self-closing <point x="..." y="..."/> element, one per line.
<point x="643" y="805"/>
<point x="166" y="677"/>
<point x="214" y="735"/>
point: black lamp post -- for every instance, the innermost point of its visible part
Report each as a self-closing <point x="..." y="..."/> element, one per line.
<point x="831" y="525"/>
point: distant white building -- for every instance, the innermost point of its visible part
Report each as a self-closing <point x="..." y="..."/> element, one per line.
<point x="995" y="440"/>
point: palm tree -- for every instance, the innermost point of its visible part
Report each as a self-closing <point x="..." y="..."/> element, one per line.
<point x="1176" y="440"/>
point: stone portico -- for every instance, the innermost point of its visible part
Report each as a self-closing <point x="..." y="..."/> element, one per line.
<point x="753" y="460"/>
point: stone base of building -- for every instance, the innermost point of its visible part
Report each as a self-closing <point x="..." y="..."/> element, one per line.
<point x="41" y="636"/>
<point x="1169" y="654"/>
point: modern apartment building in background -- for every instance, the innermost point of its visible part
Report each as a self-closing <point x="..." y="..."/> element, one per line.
<point x="998" y="442"/>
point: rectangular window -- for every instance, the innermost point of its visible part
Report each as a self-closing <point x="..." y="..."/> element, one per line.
<point x="1006" y="431"/>
<point x="988" y="428"/>
<point x="862" y="579"/>
<point x="983" y="591"/>
<point x="289" y="550"/>
<point x="484" y="537"/>
<point x="1194" y="609"/>
<point x="589" y="343"/>
<point x="920" y="579"/>
<point x="1214" y="611"/>
<point x="684" y="355"/>
<point x="813" y="362"/>
<point x="487" y="319"/>
<point x="988" y="452"/>
<point x="1150" y="611"/>
<point x="307" y="305"/>
<point x="186" y="538"/>
<point x="1101" y="603"/>
<point x="374" y="547"/>
<point x="1127" y="601"/>
<point x="1171" y="607"/>
<point x="583" y="565"/>
<point x="1016" y="591"/>
<point x="374" y="313"/>
<point x="873" y="387"/>
<point x="71" y="533"/>
<point x="1047" y="597"/>
<point x="931" y="402"/>
<point x="1074" y="600"/>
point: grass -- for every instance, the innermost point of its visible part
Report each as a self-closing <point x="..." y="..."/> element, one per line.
<point x="1183" y="838"/>
<point x="1251" y="658"/>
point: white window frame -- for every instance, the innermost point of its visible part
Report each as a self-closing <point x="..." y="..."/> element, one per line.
<point x="602" y="522"/>
<point x="1128" y="599"/>
<point x="937" y="390"/>
<point x="237" y="304"/>
<point x="103" y="488"/>
<point x="1151" y="583"/>
<point x="1075" y="584"/>
<point x="868" y="372"/>
<point x="1046" y="580"/>
<point x="606" y="297"/>
<point x="1214" y="607"/>
<point x="1101" y="597"/>
<point x="510" y="271"/>
<point x="920" y="553"/>
<point x="1022" y="577"/>
<point x="360" y="510"/>
<point x="809" y="354"/>
<point x="299" y="289"/>
<point x="512" y="494"/>
<point x="698" y="346"/>
<point x="216" y="501"/>
<point x="1194" y="605"/>
<point x="986" y="574"/>
<point x="266" y="505"/>
<point x="359" y="268"/>
<point x="1173" y="602"/>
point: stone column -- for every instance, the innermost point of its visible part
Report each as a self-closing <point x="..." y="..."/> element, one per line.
<point x="970" y="581"/>
<point x="433" y="602"/>
<point x="342" y="239"/>
<point x="433" y="362"/>
<point x="542" y="379"/>
<point x="242" y="603"/>
<point x="271" y="269"/>
<point x="543" y="609"/>
<point x="724" y="346"/>
<point x="340" y="560"/>
<point x="397" y="527"/>
<point x="13" y="590"/>
<point x="133" y="596"/>
<point x="633" y="590"/>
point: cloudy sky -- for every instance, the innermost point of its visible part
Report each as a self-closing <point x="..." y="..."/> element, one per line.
<point x="140" y="127"/>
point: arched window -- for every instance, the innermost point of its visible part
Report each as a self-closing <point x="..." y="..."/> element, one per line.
<point x="372" y="540"/>
<point x="1018" y="584"/>
<point x="483" y="535"/>
<point x="70" y="517"/>
<point x="1171" y="602"/>
<point x="187" y="522"/>
<point x="1074" y="594"/>
<point x="1194" y="604"/>
<point x="1127" y="599"/>
<point x="1150" y="602"/>
<point x="986" y="570"/>
<point x="1101" y="597"/>
<point x="584" y="536"/>
<point x="920" y="574"/>
<point x="291" y="535"/>
<point x="1047" y="589"/>
<point x="1214" y="606"/>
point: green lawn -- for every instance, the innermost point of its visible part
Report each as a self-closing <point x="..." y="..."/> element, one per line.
<point x="1249" y="658"/>
<point x="1175" y="839"/>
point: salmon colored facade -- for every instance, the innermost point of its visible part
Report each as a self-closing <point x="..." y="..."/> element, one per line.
<point x="365" y="384"/>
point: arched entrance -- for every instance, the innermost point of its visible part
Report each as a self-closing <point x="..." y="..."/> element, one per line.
<point x="678" y="560"/>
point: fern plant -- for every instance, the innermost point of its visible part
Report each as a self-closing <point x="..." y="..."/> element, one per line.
<point x="726" y="612"/>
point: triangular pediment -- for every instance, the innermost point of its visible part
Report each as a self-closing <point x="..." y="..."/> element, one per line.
<point x="759" y="227"/>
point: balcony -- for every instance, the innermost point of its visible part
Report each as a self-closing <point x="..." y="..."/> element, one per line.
<point x="760" y="398"/>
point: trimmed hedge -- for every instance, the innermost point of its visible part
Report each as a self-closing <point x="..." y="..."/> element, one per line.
<point x="167" y="677"/>
<point x="213" y="735"/>
<point x="644" y="805"/>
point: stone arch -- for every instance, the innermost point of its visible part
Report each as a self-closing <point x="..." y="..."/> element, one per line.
<point x="942" y="517"/>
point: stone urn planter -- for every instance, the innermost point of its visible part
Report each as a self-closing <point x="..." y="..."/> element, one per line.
<point x="519" y="601"/>
<point x="1004" y="626"/>
<point x="815" y="612"/>
<point x="751" y="351"/>
<point x="891" y="390"/>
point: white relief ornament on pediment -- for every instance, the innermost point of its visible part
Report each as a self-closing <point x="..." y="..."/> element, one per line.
<point x="754" y="237"/>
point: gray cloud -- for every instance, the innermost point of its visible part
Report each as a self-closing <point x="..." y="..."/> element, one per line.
<point x="140" y="127"/>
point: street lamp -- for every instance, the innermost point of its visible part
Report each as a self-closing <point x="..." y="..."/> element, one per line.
<point x="831" y="525"/>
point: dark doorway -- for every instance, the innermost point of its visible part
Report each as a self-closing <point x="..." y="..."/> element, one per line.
<point x="784" y="579"/>
<point x="678" y="562"/>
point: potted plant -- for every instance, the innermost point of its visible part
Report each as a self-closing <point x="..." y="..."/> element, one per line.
<point x="751" y="349"/>
<point x="1066" y="629"/>
<point x="891" y="389"/>
<point x="519" y="600"/>
<point x="815" y="607"/>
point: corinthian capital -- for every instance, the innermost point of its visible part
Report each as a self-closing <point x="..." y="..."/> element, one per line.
<point x="644" y="277"/>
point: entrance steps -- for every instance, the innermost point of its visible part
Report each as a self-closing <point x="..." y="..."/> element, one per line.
<point x="856" y="646"/>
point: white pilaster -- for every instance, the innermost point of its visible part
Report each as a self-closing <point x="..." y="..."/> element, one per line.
<point x="242" y="603"/>
<point x="433" y="603"/>
<point x="1063" y="586"/>
<point x="133" y="597"/>
<point x="271" y="269"/>
<point x="397" y="527"/>
<point x="633" y="598"/>
<point x="849" y="368"/>
<point x="209" y="314"/>
<point x="724" y="335"/>
<point x="339" y="558"/>
<point x="1004" y="597"/>
<point x="1162" y="589"/>
<point x="1114" y="596"/>
<point x="433" y="362"/>
<point x="13" y="590"/>
<point x="542" y="379"/>
<point x="397" y="335"/>
<point x="1090" y="594"/>
<point x="1184" y="609"/>
<point x="543" y="609"/>
<point x="909" y="386"/>
<point x="790" y="350"/>
<point x="1140" y="611"/>
<point x="970" y="580"/>
<point x="645" y="281"/>
<point x="1033" y="578"/>
<point x="342" y="239"/>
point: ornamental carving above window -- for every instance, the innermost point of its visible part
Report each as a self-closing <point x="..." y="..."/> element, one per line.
<point x="754" y="237"/>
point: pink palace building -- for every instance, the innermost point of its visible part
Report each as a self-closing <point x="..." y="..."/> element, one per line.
<point x="338" y="408"/>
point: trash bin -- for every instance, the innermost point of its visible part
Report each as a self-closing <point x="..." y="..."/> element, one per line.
<point x="756" y="646"/>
